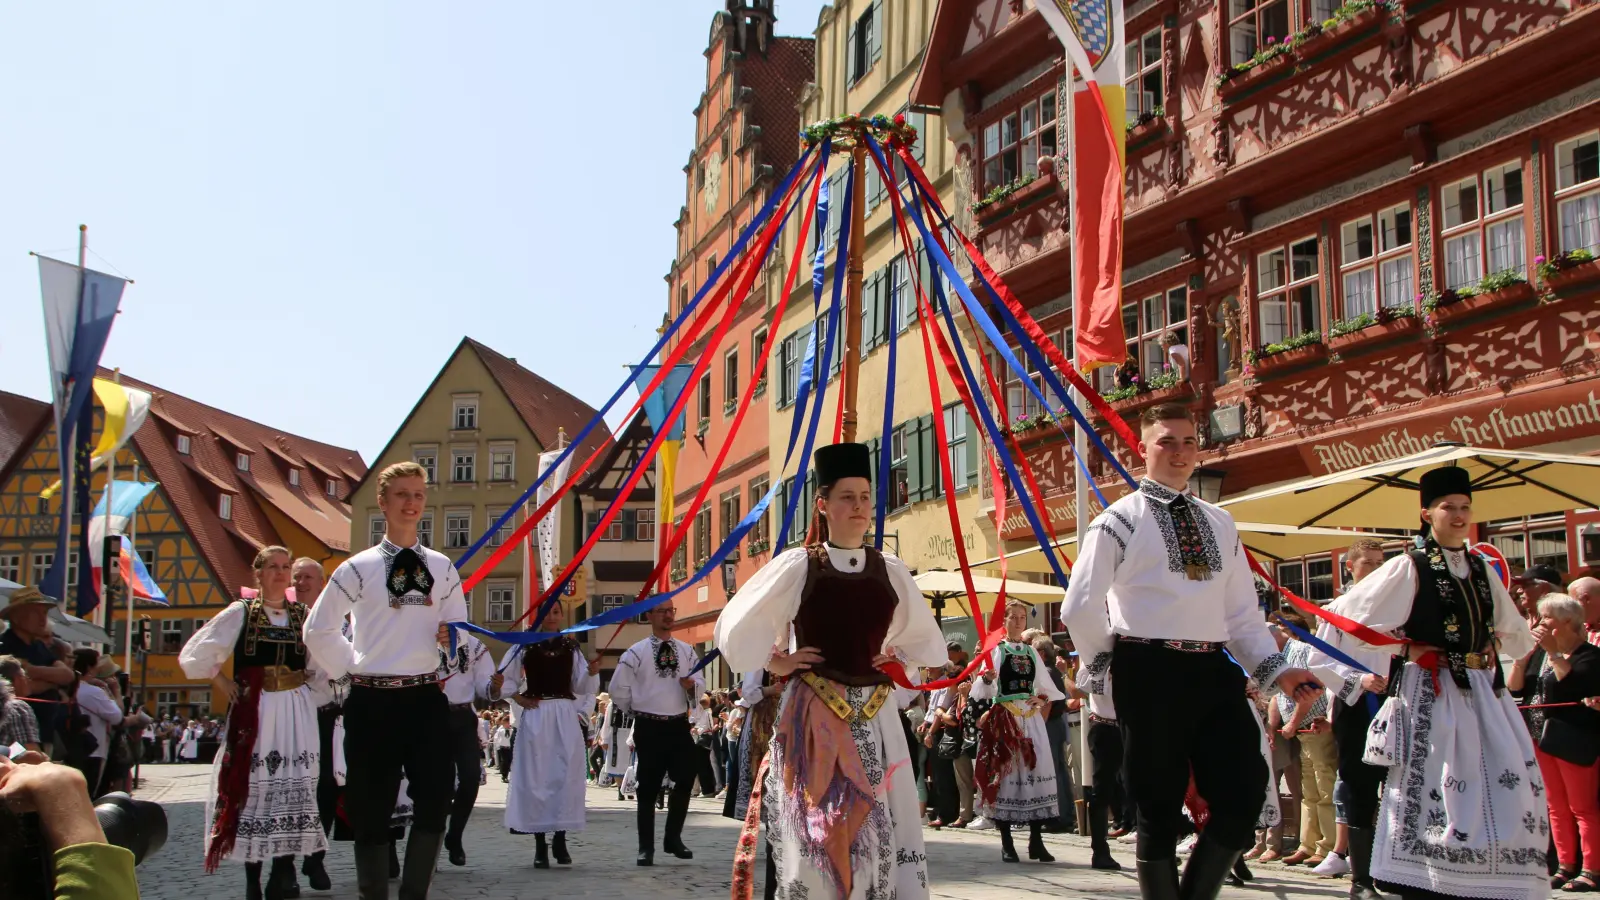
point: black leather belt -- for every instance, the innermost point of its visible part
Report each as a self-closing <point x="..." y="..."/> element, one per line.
<point x="680" y="717"/>
<point x="1174" y="644"/>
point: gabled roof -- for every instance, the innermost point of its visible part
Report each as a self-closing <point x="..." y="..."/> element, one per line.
<point x="546" y="410"/>
<point x="633" y="440"/>
<point x="22" y="421"/>
<point x="192" y="483"/>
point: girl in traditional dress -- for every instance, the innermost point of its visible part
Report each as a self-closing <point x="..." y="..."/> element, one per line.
<point x="840" y="799"/>
<point x="189" y="743"/>
<point x="1015" y="775"/>
<point x="263" y="803"/>
<point x="555" y="688"/>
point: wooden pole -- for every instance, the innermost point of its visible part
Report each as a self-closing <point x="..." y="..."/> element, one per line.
<point x="850" y="379"/>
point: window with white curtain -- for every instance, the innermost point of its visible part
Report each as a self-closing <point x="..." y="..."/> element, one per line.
<point x="1578" y="192"/>
<point x="1483" y="225"/>
<point x="1375" y="261"/>
<point x="1289" y="291"/>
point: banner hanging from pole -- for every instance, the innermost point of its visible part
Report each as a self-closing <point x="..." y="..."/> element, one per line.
<point x="1092" y="33"/>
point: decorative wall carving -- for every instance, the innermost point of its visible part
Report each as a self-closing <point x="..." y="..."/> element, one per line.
<point x="1331" y="394"/>
<point x="1459" y="33"/>
<point x="1308" y="103"/>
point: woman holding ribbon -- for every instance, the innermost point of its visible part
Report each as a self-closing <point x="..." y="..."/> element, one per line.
<point x="838" y="755"/>
<point x="263" y="802"/>
<point x="1014" y="773"/>
<point x="555" y="688"/>
<point x="1461" y="813"/>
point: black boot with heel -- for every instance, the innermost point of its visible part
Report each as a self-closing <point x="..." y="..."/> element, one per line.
<point x="1008" y="850"/>
<point x="1036" y="849"/>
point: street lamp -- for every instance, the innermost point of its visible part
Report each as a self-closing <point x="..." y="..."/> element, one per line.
<point x="1207" y="484"/>
<point x="730" y="571"/>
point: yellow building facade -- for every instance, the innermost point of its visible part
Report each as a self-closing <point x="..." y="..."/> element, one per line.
<point x="867" y="55"/>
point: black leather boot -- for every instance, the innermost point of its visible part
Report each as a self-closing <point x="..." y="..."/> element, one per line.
<point x="1036" y="848"/>
<point x="1158" y="879"/>
<point x="422" y="858"/>
<point x="281" y="883"/>
<point x="541" y="853"/>
<point x="372" y="870"/>
<point x="1361" y="884"/>
<point x="252" y="881"/>
<point x="1098" y="842"/>
<point x="558" y="849"/>
<point x="677" y="814"/>
<point x="645" y="819"/>
<point x="394" y="859"/>
<point x="1209" y="865"/>
<point x="315" y="872"/>
<point x="454" y="850"/>
<point x="1008" y="850"/>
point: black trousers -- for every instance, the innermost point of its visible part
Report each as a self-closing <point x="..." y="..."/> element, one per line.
<point x="946" y="796"/>
<point x="1059" y="733"/>
<point x="664" y="747"/>
<point x="1183" y="712"/>
<point x="467" y="756"/>
<point x="1363" y="783"/>
<point x="390" y="732"/>
<point x="704" y="769"/>
<point x="1105" y="769"/>
<point x="503" y="760"/>
<point x="327" y="787"/>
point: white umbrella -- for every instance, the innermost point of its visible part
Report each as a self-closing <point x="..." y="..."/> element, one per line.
<point x="1506" y="484"/>
<point x="941" y="587"/>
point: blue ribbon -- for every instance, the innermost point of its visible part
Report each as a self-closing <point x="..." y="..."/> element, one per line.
<point x="704" y="661"/>
<point x="729" y="544"/>
<point x="1332" y="652"/>
<point x="818" y="264"/>
<point x="1026" y="343"/>
<point x="619" y="500"/>
<point x="666" y="335"/>
<point x="885" y="442"/>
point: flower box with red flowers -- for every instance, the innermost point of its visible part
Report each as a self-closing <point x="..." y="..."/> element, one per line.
<point x="1494" y="292"/>
<point x="1296" y="352"/>
<point x="1369" y="329"/>
<point x="1572" y="268"/>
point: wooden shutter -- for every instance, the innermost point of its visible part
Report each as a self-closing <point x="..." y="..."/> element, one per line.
<point x="913" y="460"/>
<point x="835" y="206"/>
<point x="629" y="518"/>
<point x="850" y="55"/>
<point x="877" y="29"/>
<point x="973" y="444"/>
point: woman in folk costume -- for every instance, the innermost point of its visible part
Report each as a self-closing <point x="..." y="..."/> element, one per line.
<point x="1014" y="773"/>
<point x="1462" y="812"/>
<point x="839" y="797"/>
<point x="263" y="803"/>
<point x="554" y="686"/>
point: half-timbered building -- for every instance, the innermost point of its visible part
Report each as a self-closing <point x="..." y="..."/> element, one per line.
<point x="1371" y="224"/>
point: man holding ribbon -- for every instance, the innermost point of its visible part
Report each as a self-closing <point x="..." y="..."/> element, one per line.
<point x="399" y="596"/>
<point x="1461" y="813"/>
<point x="839" y="794"/>
<point x="1162" y="603"/>
<point x="653" y="682"/>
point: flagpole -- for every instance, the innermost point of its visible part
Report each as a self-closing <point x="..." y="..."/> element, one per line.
<point x="1080" y="439"/>
<point x="103" y="613"/>
<point x="66" y="437"/>
<point x="133" y="526"/>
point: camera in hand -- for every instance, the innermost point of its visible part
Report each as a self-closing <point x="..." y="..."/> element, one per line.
<point x="139" y="826"/>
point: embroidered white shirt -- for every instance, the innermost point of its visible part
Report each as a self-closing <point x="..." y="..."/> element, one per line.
<point x="463" y="684"/>
<point x="637" y="687"/>
<point x="385" y="640"/>
<point x="1130" y="580"/>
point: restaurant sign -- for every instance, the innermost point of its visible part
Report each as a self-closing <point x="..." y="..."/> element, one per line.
<point x="1562" y="413"/>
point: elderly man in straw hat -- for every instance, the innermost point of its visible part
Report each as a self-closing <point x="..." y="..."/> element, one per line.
<point x="29" y="640"/>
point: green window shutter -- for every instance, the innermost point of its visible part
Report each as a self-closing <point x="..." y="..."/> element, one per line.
<point x="877" y="29"/>
<point x="849" y="55"/>
<point x="880" y="300"/>
<point x="973" y="442"/>
<point x="628" y="518"/>
<point x="925" y="273"/>
<point x="932" y="487"/>
<point x="913" y="460"/>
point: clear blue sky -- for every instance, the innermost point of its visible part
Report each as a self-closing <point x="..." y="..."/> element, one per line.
<point x="318" y="200"/>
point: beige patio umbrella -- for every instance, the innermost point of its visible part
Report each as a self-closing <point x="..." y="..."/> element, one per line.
<point x="1506" y="484"/>
<point x="948" y="590"/>
<point x="1269" y="541"/>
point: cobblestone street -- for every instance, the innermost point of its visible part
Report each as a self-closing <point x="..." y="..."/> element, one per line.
<point x="963" y="865"/>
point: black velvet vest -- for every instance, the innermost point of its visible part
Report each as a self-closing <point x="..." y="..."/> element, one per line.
<point x="262" y="643"/>
<point x="846" y="616"/>
<point x="1453" y="614"/>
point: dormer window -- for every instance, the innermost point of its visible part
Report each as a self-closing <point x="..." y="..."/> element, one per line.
<point x="294" y="477"/>
<point x="242" y="461"/>
<point x="183" y="444"/>
<point x="225" y="506"/>
<point x="333" y="488"/>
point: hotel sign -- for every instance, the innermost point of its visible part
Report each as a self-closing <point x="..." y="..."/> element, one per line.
<point x="1562" y="413"/>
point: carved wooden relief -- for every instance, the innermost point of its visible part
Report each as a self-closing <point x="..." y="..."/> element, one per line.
<point x="1513" y="350"/>
<point x="1461" y="33"/>
<point x="1307" y="103"/>
<point x="1329" y="394"/>
<point x="1223" y="262"/>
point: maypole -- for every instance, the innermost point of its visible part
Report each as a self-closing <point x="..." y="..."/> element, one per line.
<point x="850" y="377"/>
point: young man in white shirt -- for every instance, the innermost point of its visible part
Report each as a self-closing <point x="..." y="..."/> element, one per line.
<point x="1161" y="589"/>
<point x="398" y="595"/>
<point x="652" y="683"/>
